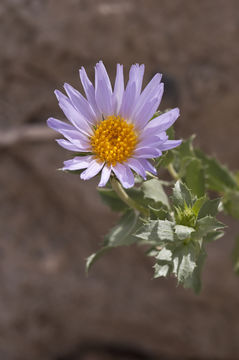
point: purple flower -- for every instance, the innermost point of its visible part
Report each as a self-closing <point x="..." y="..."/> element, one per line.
<point x="113" y="125"/>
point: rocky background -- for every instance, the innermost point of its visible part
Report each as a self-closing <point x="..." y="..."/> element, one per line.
<point x="50" y="222"/>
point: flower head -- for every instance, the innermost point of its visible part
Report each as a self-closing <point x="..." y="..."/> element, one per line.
<point x="112" y="128"/>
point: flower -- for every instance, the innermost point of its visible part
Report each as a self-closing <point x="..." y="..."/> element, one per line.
<point x="112" y="128"/>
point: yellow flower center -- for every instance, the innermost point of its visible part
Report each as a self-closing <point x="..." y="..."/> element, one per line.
<point x="114" y="140"/>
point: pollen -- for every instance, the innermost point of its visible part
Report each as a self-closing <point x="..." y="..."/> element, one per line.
<point x="114" y="140"/>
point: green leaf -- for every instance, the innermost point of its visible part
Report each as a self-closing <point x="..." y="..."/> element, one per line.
<point x="161" y="269"/>
<point x="183" y="232"/>
<point x="165" y="159"/>
<point x="156" y="231"/>
<point x="121" y="233"/>
<point x="110" y="198"/>
<point x="158" y="214"/>
<point x="231" y="203"/>
<point x="215" y="235"/>
<point x="207" y="225"/>
<point x="184" y="260"/>
<point x="194" y="177"/>
<point x="186" y="148"/>
<point x="181" y="195"/>
<point x="194" y="282"/>
<point x="198" y="204"/>
<point x="94" y="257"/>
<point x="210" y="207"/>
<point x="153" y="189"/>
<point x="218" y="177"/>
<point x="163" y="266"/>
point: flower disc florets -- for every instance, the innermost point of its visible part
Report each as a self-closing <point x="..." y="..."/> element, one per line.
<point x="114" y="140"/>
<point x="113" y="127"/>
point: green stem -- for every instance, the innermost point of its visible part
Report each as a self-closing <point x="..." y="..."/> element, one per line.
<point x="116" y="186"/>
<point x="173" y="172"/>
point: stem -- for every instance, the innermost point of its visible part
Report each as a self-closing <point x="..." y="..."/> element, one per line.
<point x="173" y="172"/>
<point x="116" y="186"/>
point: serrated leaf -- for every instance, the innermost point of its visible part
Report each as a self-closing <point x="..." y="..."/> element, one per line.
<point x="194" y="282"/>
<point x="121" y="233"/>
<point x="194" y="177"/>
<point x="158" y="214"/>
<point x="161" y="269"/>
<point x="207" y="225"/>
<point x="181" y="195"/>
<point x="153" y="189"/>
<point x="210" y="207"/>
<point x="184" y="260"/>
<point x="164" y="255"/>
<point x="183" y="232"/>
<point x="163" y="266"/>
<point x="156" y="231"/>
<point x="218" y="177"/>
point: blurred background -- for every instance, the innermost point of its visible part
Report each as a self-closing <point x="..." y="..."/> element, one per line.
<point x="50" y="221"/>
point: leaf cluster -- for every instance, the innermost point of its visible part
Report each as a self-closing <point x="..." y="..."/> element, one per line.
<point x="179" y="217"/>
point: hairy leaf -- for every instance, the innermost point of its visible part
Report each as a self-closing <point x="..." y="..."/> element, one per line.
<point x="209" y="207"/>
<point x="156" y="231"/>
<point x="219" y="178"/>
<point x="194" y="177"/>
<point x="183" y="232"/>
<point x="181" y="195"/>
<point x="153" y="189"/>
<point x="207" y="225"/>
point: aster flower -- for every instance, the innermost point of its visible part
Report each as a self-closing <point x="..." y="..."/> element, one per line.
<point x="112" y="128"/>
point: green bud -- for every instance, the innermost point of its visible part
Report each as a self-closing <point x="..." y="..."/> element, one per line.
<point x="185" y="216"/>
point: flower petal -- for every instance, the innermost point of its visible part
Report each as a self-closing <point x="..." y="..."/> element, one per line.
<point x="78" y="163"/>
<point x="148" y="93"/>
<point x="67" y="145"/>
<point x="149" y="141"/>
<point x="132" y="91"/>
<point x="162" y="122"/>
<point x="135" y="165"/>
<point x="124" y="174"/>
<point x="170" y="144"/>
<point x="93" y="169"/>
<point x="81" y="104"/>
<point x="58" y="125"/>
<point x="148" y="166"/>
<point x="105" y="175"/>
<point x="118" y="89"/>
<point x="89" y="91"/>
<point x="146" y="112"/>
<point x="128" y="101"/>
<point x="73" y="115"/>
<point x="70" y="132"/>
<point x="103" y="90"/>
<point x="147" y="153"/>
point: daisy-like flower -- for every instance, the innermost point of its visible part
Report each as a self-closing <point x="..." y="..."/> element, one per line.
<point x="112" y="128"/>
